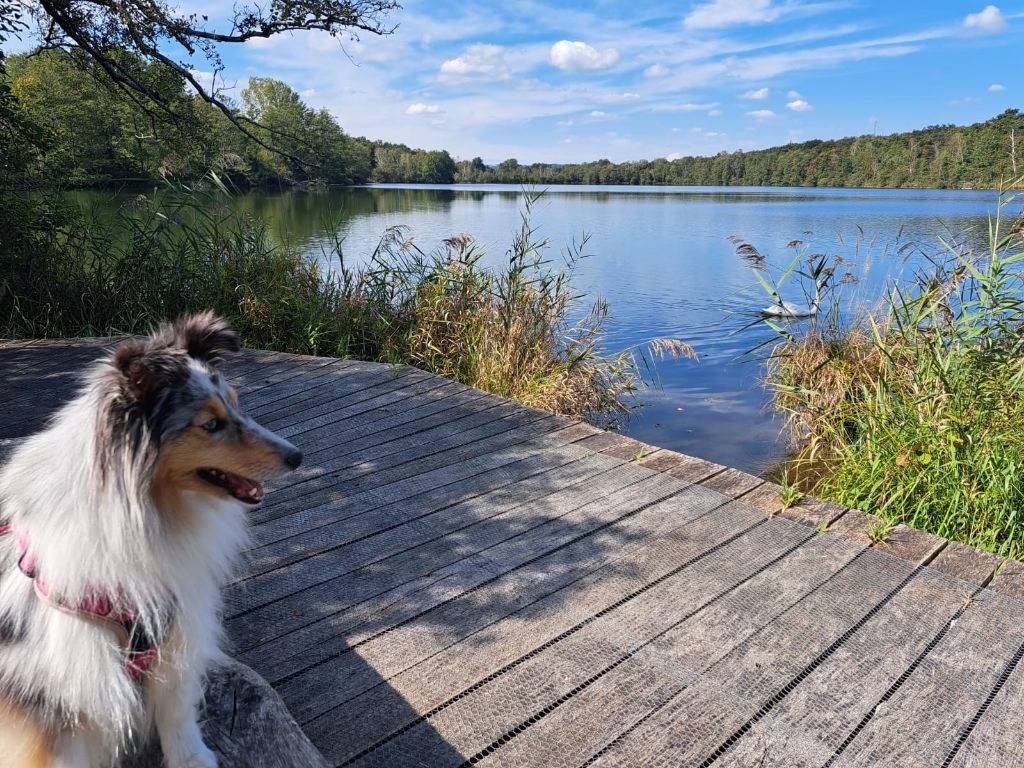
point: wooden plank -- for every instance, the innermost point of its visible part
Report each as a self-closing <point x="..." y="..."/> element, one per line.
<point x="340" y="375"/>
<point x="560" y="710"/>
<point x="733" y="483"/>
<point x="517" y="572"/>
<point x="322" y="410"/>
<point x="737" y="685"/>
<point x="992" y="738"/>
<point x="814" y="721"/>
<point x="383" y="425"/>
<point x="351" y="521"/>
<point x="395" y="706"/>
<point x="418" y="542"/>
<point x="550" y="516"/>
<point x="966" y="563"/>
<point x="1009" y="579"/>
<point x="921" y="723"/>
<point x="540" y="567"/>
<point x="911" y="544"/>
<point x="856" y="527"/>
<point x="694" y="470"/>
<point x="439" y="486"/>
<point x="812" y="512"/>
<point x="576" y="432"/>
<point x="766" y="497"/>
<point x="471" y="434"/>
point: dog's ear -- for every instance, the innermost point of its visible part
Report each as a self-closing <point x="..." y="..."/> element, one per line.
<point x="146" y="370"/>
<point x="206" y="337"/>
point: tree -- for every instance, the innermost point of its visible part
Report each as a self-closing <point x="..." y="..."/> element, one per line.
<point x="153" y="31"/>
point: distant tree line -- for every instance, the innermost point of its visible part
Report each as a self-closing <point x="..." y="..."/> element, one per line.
<point x="87" y="132"/>
<point x="942" y="156"/>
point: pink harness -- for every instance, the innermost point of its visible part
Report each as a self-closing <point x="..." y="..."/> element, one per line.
<point x="140" y="649"/>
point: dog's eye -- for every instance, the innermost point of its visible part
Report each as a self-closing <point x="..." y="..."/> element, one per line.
<point x="214" y="425"/>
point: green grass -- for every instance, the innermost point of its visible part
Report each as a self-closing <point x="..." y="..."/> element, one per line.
<point x="505" y="330"/>
<point x="915" y="410"/>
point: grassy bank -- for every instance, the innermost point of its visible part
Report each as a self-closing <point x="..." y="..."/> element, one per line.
<point x="506" y="331"/>
<point x="914" y="409"/>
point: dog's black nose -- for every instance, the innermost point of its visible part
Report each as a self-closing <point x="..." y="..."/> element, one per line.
<point x="293" y="458"/>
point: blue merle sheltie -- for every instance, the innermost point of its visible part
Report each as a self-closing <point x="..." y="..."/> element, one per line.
<point x="118" y="525"/>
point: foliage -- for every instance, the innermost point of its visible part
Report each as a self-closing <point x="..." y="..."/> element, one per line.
<point x="125" y="39"/>
<point x="95" y="135"/>
<point x="945" y="156"/>
<point x="504" y="331"/>
<point x="914" y="411"/>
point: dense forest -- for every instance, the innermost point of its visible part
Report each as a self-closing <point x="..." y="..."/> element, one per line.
<point x="88" y="132"/>
<point x="943" y="156"/>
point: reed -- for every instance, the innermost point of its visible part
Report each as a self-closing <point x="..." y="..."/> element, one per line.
<point x="507" y="331"/>
<point x="914" y="410"/>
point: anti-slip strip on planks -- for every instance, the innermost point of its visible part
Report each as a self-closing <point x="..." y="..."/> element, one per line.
<point x="1008" y="670"/>
<point x="780" y="695"/>
<point x="898" y="683"/>
<point x="487" y="582"/>
<point x="581" y="625"/>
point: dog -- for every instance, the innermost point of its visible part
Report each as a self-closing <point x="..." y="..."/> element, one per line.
<point x="119" y="523"/>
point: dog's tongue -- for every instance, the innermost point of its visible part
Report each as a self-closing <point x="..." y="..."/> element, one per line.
<point x="244" y="489"/>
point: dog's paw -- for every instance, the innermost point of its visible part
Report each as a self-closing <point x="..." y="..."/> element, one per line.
<point x="201" y="757"/>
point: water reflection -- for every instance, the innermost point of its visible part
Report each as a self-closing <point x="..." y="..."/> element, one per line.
<point x="661" y="258"/>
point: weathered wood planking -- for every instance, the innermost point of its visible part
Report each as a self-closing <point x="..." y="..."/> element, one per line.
<point x="453" y="579"/>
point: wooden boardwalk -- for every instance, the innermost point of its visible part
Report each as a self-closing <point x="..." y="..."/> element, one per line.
<point x="452" y="579"/>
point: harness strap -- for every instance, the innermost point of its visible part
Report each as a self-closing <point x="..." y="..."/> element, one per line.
<point x="139" y="647"/>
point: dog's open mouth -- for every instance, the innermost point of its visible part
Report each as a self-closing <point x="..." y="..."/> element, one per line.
<point x="242" y="488"/>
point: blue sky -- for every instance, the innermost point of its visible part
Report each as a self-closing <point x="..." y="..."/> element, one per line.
<point x="568" y="81"/>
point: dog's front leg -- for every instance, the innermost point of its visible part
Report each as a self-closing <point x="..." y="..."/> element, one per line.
<point x="176" y="695"/>
<point x="71" y="750"/>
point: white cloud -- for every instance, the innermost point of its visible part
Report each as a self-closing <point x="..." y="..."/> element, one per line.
<point x="799" y="105"/>
<point x="996" y="88"/>
<point x="724" y="13"/>
<point x="576" y="56"/>
<point x="759" y="95"/>
<point x="480" y="62"/>
<point x="715" y="113"/>
<point x="657" y="70"/>
<point x="674" y="156"/>
<point x="793" y="95"/>
<point x="761" y="114"/>
<point x="597" y="114"/>
<point x="991" y="19"/>
<point x="419" y="108"/>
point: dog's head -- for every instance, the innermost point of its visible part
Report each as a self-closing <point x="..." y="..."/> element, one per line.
<point x="177" y="420"/>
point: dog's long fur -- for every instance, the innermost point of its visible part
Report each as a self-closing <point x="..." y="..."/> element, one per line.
<point x="109" y="500"/>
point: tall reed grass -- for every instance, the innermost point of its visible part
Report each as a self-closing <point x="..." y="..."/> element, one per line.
<point x="914" y="409"/>
<point x="507" y="330"/>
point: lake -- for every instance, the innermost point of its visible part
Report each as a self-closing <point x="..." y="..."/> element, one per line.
<point x="661" y="258"/>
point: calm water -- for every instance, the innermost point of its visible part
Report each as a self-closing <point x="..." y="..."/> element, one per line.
<point x="661" y="258"/>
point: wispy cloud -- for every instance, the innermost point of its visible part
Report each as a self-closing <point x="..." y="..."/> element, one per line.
<point x="758" y="95"/>
<point x="761" y="114"/>
<point x="799" y="105"/>
<point x="996" y="88"/>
